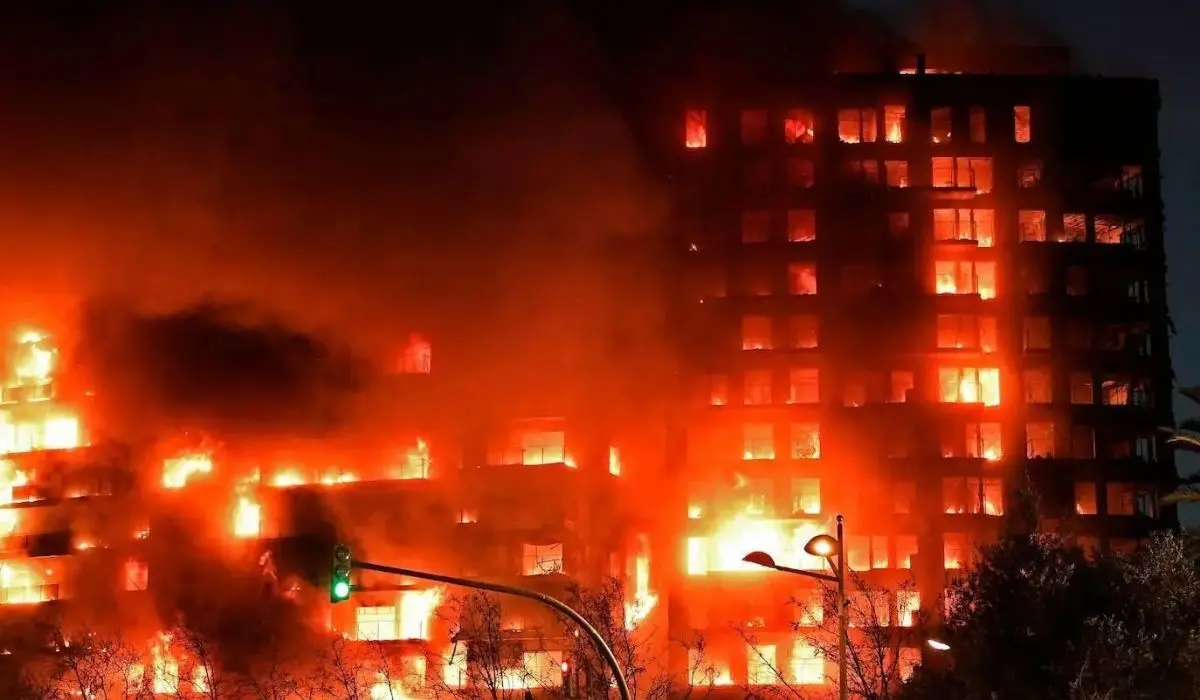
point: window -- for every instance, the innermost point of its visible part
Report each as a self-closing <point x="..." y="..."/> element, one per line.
<point x="894" y="123"/>
<point x="857" y="125"/>
<point x="966" y="277"/>
<point x="756" y="226"/>
<point x="966" y="332"/>
<point x="1039" y="440"/>
<point x="697" y="556"/>
<point x="758" y="441"/>
<point x="879" y="552"/>
<point x="897" y="172"/>
<point x="376" y="623"/>
<point x="803" y="332"/>
<point x="760" y="664"/>
<point x="977" y="225"/>
<point x="969" y="385"/>
<point x="754" y="127"/>
<point x="756" y="176"/>
<point x="543" y="447"/>
<point x="1120" y="499"/>
<point x="1081" y="388"/>
<point x="974" y="495"/>
<point x="1085" y="498"/>
<point x="696" y="128"/>
<point x="906" y="547"/>
<point x="908" y="605"/>
<point x="1114" y="391"/>
<point x="1022" y="124"/>
<point x="978" y="125"/>
<point x="1029" y="173"/>
<point x="900" y="383"/>
<point x="1039" y="385"/>
<point x="137" y="575"/>
<point x="756" y="333"/>
<point x="983" y="441"/>
<point x="1146" y="449"/>
<point x="941" y="124"/>
<point x="907" y="662"/>
<point x="418" y="355"/>
<point x="967" y="173"/>
<point x="798" y="126"/>
<point x="1074" y="229"/>
<point x="808" y="663"/>
<point x="802" y="278"/>
<point x="801" y="225"/>
<point x="858" y="552"/>
<point x="898" y="223"/>
<point x="1035" y="278"/>
<point x="1037" y="333"/>
<point x="806" y="441"/>
<point x="1083" y="442"/>
<point x="1032" y="224"/>
<point x="1109" y="228"/>
<point x="756" y="388"/>
<point x="542" y="559"/>
<point x="866" y="171"/>
<point x="954" y="550"/>
<point x="804" y="385"/>
<point x="904" y="497"/>
<point x="416" y="462"/>
<point x="801" y="173"/>
<point x="718" y="390"/>
<point x="806" y="496"/>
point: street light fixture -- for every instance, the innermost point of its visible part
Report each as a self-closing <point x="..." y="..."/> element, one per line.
<point x="937" y="645"/>
<point x="829" y="549"/>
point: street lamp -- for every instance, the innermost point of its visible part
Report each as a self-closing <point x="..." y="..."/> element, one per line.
<point x="937" y="645"/>
<point x="828" y="548"/>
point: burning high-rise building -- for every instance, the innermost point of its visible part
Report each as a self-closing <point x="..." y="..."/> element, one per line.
<point x="903" y="278"/>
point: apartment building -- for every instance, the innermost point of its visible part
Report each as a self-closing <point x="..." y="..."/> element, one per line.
<point x="903" y="290"/>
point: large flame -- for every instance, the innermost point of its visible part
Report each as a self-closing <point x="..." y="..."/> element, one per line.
<point x="782" y="539"/>
<point x="177" y="471"/>
<point x="165" y="666"/>
<point x="416" y="612"/>
<point x="22" y="584"/>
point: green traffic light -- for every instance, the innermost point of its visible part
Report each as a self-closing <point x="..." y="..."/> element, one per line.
<point x="341" y="590"/>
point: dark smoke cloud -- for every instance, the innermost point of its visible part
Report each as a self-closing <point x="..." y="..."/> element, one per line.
<point x="211" y="369"/>
<point x="354" y="184"/>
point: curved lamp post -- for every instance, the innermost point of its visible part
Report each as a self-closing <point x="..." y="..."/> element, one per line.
<point x="601" y="646"/>
<point x="833" y="551"/>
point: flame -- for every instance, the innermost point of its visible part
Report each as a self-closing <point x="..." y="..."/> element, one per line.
<point x="288" y="478"/>
<point x="21" y="584"/>
<point x="381" y="689"/>
<point x="614" y="461"/>
<point x="178" y="470"/>
<point x="337" y="477"/>
<point x="895" y="132"/>
<point x="416" y="612"/>
<point x="782" y="539"/>
<point x="644" y="599"/>
<point x="34" y="362"/>
<point x="416" y="462"/>
<point x="165" y="666"/>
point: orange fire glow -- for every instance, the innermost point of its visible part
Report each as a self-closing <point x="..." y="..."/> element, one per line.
<point x="247" y="513"/>
<point x="643" y="600"/>
<point x="178" y="470"/>
<point x="416" y="612"/>
<point x="22" y="584"/>
<point x="165" y="666"/>
<point x="782" y="539"/>
<point x="10" y="478"/>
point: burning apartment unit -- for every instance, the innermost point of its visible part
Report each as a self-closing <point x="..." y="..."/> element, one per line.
<point x="528" y="502"/>
<point x="904" y="290"/>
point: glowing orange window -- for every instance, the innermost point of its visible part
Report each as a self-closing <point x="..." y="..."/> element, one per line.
<point x="983" y="441"/>
<point x="756" y="388"/>
<point x="954" y="550"/>
<point x="941" y="124"/>
<point x="1085" y="498"/>
<point x="798" y="126"/>
<point x="804" y="385"/>
<point x="758" y="441"/>
<point x="1032" y="224"/>
<point x="896" y="172"/>
<point x="977" y="225"/>
<point x="801" y="225"/>
<point x="857" y="125"/>
<point x="978" y="125"/>
<point x="969" y="385"/>
<point x="418" y="355"/>
<point x="756" y="226"/>
<point x="1039" y="440"/>
<point x="894" y="123"/>
<point x="966" y="277"/>
<point x="756" y="333"/>
<point x="805" y="441"/>
<point x="718" y="390"/>
<point x="696" y="128"/>
<point x="1022" y="124"/>
<point x="803" y="332"/>
<point x="908" y="605"/>
<point x="802" y="278"/>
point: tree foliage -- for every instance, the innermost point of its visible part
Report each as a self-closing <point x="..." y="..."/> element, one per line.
<point x="1039" y="619"/>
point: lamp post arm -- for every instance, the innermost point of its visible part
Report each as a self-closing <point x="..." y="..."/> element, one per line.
<point x="597" y="640"/>
<point x="810" y="574"/>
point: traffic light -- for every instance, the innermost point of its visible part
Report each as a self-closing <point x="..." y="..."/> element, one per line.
<point x="339" y="584"/>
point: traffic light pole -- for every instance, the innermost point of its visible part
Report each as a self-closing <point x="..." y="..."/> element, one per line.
<point x="597" y="640"/>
